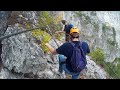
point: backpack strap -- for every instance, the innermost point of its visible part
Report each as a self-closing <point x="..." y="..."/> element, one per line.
<point x="80" y="44"/>
<point x="72" y="44"/>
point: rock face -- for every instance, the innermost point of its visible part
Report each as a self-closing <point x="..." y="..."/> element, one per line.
<point x="22" y="58"/>
<point x="4" y="15"/>
<point x="94" y="71"/>
<point x="99" y="29"/>
<point x="23" y="55"/>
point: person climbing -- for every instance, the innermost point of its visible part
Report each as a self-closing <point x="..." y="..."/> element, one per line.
<point x="66" y="56"/>
<point x="66" y="28"/>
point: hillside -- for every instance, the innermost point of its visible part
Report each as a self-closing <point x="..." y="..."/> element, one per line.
<point x="24" y="55"/>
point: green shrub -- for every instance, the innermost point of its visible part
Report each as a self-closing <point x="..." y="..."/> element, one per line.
<point x="43" y="36"/>
<point x="108" y="68"/>
<point x="98" y="55"/>
<point x="45" y="21"/>
<point x="112" y="68"/>
<point x="116" y="67"/>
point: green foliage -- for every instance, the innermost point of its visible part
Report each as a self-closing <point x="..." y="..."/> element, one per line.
<point x="108" y="68"/>
<point x="116" y="67"/>
<point x="98" y="55"/>
<point x="59" y="36"/>
<point x="105" y="26"/>
<point x="96" y="26"/>
<point x="113" y="68"/>
<point x="45" y="21"/>
<point x="43" y="36"/>
<point x="53" y="22"/>
<point x="79" y="13"/>
<point x="117" y="60"/>
<point x="28" y="26"/>
<point x="111" y="42"/>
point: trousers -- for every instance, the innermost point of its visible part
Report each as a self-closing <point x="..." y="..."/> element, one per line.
<point x="62" y="66"/>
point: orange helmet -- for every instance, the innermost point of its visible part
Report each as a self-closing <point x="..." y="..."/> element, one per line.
<point x="74" y="29"/>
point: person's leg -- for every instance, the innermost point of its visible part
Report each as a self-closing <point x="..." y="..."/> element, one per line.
<point x="65" y="69"/>
<point x="61" y="61"/>
<point x="62" y="66"/>
<point x="75" y="76"/>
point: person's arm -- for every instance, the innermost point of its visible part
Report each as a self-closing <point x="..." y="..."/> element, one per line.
<point x="51" y="49"/>
<point x="85" y="48"/>
<point x="63" y="28"/>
